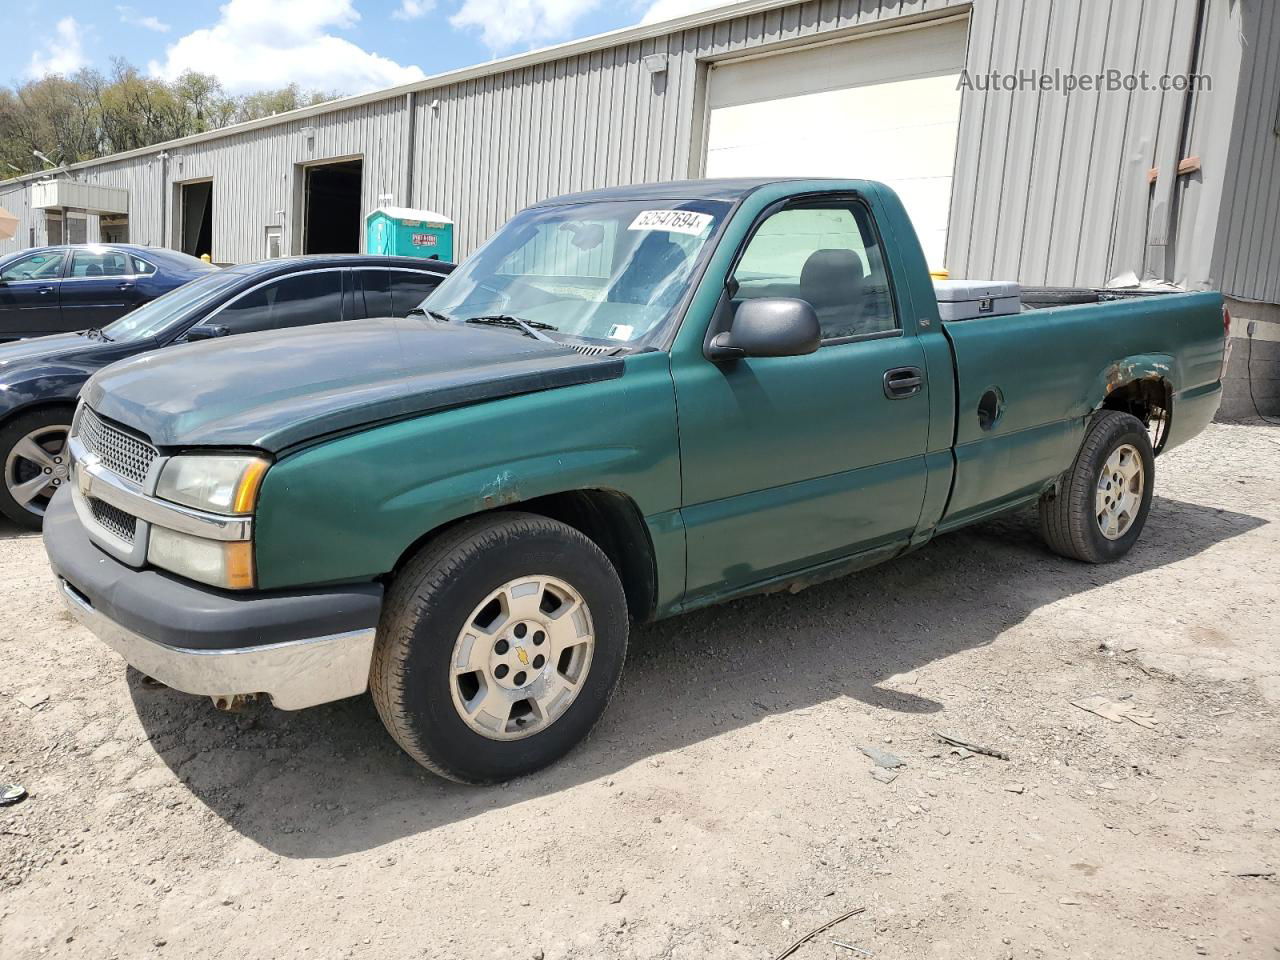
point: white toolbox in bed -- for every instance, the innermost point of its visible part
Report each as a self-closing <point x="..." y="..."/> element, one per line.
<point x="971" y="299"/>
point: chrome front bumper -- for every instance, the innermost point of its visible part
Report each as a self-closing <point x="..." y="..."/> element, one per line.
<point x="297" y="674"/>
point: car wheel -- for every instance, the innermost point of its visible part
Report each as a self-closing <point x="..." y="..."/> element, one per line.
<point x="33" y="451"/>
<point x="500" y="645"/>
<point x="1100" y="505"/>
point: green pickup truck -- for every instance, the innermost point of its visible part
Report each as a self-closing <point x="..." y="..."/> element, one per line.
<point x="627" y="404"/>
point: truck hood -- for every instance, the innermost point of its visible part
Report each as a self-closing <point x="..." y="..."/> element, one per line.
<point x="281" y="388"/>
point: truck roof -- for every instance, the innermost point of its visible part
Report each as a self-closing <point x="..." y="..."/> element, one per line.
<point x="732" y="188"/>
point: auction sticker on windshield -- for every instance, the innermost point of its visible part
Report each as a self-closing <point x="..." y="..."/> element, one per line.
<point x="672" y="221"/>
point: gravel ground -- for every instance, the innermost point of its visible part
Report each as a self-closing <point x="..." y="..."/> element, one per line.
<point x="724" y="808"/>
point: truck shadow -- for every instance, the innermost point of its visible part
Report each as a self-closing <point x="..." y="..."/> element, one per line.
<point x="329" y="781"/>
<point x="11" y="531"/>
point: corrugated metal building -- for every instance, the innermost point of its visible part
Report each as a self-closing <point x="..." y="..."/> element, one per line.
<point x="1042" y="185"/>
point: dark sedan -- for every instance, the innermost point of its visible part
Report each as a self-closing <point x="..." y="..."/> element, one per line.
<point x="58" y="289"/>
<point x="40" y="378"/>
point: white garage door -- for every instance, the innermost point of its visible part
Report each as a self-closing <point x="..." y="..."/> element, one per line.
<point x="880" y="107"/>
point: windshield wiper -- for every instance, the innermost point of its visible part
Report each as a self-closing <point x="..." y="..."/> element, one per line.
<point x="530" y="328"/>
<point x="96" y="333"/>
<point x="433" y="314"/>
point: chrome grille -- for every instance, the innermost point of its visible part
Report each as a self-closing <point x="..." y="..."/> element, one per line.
<point x="118" y="451"/>
<point x="113" y="519"/>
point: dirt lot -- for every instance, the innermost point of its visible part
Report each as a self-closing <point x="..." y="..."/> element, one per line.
<point x="724" y="807"/>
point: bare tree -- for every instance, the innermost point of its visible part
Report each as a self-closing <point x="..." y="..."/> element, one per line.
<point x="90" y="114"/>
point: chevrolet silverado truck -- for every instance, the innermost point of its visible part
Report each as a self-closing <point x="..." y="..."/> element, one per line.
<point x="627" y="404"/>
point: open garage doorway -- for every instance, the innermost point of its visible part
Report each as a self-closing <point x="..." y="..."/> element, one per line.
<point x="114" y="229"/>
<point x="331" y="211"/>
<point x="197" y="218"/>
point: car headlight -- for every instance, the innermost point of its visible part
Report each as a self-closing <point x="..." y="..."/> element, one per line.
<point x="220" y="563"/>
<point x="218" y="484"/>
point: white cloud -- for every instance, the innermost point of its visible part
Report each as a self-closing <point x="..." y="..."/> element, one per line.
<point x="504" y="24"/>
<point x="670" y="9"/>
<point x="257" y="45"/>
<point x="62" y="53"/>
<point x="147" y="22"/>
<point x="413" y="9"/>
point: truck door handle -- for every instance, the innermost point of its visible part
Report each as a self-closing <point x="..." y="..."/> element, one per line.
<point x="46" y="289"/>
<point x="903" y="382"/>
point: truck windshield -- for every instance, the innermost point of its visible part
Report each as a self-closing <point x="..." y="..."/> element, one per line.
<point x="154" y="318"/>
<point x="609" y="271"/>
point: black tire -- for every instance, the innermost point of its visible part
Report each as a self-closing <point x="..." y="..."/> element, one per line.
<point x="427" y="606"/>
<point x="1068" y="521"/>
<point x="47" y="420"/>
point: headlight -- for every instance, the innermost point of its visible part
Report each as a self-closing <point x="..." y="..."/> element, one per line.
<point x="219" y="484"/>
<point x="220" y="563"/>
<point x="215" y="483"/>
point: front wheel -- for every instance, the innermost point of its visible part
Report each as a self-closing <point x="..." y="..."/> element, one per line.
<point x="1100" y="506"/>
<point x="499" y="648"/>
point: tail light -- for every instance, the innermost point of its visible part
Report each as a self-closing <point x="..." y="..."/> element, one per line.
<point x="1226" y="336"/>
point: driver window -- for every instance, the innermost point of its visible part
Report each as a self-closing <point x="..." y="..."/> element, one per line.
<point x="38" y="266"/>
<point x="828" y="255"/>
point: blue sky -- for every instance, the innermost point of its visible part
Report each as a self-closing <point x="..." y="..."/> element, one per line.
<point x="344" y="45"/>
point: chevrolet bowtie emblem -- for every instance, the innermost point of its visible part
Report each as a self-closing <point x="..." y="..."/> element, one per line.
<point x="523" y="657"/>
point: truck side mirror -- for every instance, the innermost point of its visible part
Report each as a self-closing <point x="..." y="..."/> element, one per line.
<point x="206" y="331"/>
<point x="769" y="327"/>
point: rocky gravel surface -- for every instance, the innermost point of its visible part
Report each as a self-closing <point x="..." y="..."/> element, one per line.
<point x="768" y="766"/>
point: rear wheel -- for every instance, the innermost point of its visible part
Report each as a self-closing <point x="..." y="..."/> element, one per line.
<point x="500" y="645"/>
<point x="1100" y="506"/>
<point x="33" y="452"/>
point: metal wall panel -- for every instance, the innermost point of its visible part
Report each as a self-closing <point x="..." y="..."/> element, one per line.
<point x="141" y="178"/>
<point x="16" y="198"/>
<point x="1248" y="255"/>
<point x="1052" y="189"/>
<point x="257" y="176"/>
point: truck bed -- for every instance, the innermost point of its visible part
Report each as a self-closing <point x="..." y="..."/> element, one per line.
<point x="1036" y="298"/>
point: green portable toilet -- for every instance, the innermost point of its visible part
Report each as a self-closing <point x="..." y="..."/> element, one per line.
<point x="402" y="232"/>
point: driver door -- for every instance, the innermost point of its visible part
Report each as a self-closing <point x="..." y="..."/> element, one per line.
<point x="29" y="294"/>
<point x="790" y="462"/>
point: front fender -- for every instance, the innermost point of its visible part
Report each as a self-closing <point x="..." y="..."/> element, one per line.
<point x="347" y="509"/>
<point x="39" y="387"/>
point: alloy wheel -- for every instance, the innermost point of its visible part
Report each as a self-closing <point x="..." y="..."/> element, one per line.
<point x="521" y="658"/>
<point x="1119" y="494"/>
<point x="37" y="466"/>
